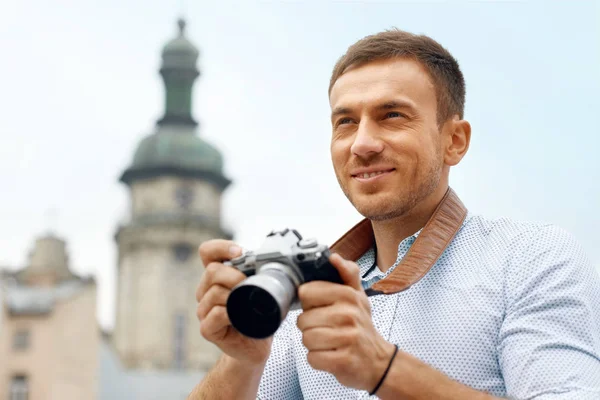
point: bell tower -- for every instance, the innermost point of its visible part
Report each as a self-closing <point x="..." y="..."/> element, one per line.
<point x="175" y="183"/>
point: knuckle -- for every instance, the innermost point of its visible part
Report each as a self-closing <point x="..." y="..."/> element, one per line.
<point x="351" y="336"/>
<point x="300" y="322"/>
<point x="210" y="272"/>
<point x="204" y="248"/>
<point x="199" y="293"/>
<point x="221" y="295"/>
<point x="305" y="291"/>
<point x="306" y="340"/>
<point x="343" y="319"/>
<point x="212" y="268"/>
<point x="348" y="316"/>
<point x="204" y="331"/>
<point x="352" y="267"/>
<point x="203" y="309"/>
<point x="222" y="314"/>
<point x="301" y="291"/>
<point x="313" y="359"/>
<point x="214" y="250"/>
<point x="215" y="319"/>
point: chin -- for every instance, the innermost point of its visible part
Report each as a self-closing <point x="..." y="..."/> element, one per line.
<point x="379" y="208"/>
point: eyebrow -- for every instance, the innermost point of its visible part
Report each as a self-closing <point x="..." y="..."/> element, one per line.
<point x="395" y="104"/>
<point x="387" y="105"/>
<point x="340" y="111"/>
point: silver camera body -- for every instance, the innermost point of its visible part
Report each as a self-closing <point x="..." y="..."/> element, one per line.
<point x="257" y="305"/>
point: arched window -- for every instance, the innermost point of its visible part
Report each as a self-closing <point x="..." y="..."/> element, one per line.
<point x="179" y="341"/>
<point x="19" y="388"/>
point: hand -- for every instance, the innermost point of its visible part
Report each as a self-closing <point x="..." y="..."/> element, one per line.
<point x="212" y="293"/>
<point x="338" y="331"/>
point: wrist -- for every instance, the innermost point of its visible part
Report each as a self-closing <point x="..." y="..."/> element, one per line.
<point x="383" y="366"/>
<point x="394" y="382"/>
<point x="243" y="366"/>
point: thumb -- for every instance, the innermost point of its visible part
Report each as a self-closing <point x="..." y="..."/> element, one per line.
<point x="348" y="270"/>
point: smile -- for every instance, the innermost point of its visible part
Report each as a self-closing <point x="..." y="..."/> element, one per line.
<point x="371" y="176"/>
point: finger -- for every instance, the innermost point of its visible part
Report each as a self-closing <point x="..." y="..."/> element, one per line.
<point x="218" y="274"/>
<point x="321" y="293"/>
<point x="349" y="271"/>
<point x="218" y="250"/>
<point x="216" y="323"/>
<point x="319" y="339"/>
<point x="336" y="315"/>
<point x="215" y="296"/>
<point x="314" y="318"/>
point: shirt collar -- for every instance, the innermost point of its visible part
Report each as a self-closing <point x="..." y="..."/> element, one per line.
<point x="367" y="263"/>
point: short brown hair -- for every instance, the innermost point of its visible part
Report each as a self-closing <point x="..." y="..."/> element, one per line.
<point x="442" y="67"/>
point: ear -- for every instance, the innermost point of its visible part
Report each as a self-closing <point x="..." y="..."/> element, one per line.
<point x="457" y="133"/>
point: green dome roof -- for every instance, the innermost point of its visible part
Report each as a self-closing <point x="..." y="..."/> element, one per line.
<point x="174" y="149"/>
<point x="181" y="150"/>
<point x="175" y="153"/>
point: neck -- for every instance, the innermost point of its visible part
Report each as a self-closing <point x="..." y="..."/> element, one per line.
<point x="390" y="232"/>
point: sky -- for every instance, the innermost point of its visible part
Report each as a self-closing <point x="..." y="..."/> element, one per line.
<point x="80" y="88"/>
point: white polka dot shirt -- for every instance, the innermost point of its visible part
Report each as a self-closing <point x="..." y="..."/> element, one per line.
<point x="511" y="308"/>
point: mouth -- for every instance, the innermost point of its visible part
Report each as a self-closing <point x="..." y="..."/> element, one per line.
<point x="370" y="176"/>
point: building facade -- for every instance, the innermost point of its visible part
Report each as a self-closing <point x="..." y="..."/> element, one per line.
<point x="51" y="346"/>
<point x="175" y="184"/>
<point x="49" y="340"/>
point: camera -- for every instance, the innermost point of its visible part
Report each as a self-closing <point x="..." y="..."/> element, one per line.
<point x="257" y="305"/>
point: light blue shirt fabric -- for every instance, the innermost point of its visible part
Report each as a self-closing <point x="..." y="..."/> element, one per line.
<point x="511" y="308"/>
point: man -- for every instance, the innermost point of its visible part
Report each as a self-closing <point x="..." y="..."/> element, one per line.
<point x="509" y="310"/>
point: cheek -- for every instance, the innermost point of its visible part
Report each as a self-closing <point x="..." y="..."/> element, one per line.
<point x="339" y="155"/>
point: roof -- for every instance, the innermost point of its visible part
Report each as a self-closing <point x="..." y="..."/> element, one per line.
<point x="175" y="150"/>
<point x="31" y="300"/>
<point x="117" y="383"/>
<point x="180" y="149"/>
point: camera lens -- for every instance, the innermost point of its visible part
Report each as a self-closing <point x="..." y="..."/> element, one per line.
<point x="262" y="303"/>
<point x="258" y="305"/>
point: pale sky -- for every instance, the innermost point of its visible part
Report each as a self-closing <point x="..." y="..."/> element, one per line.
<point x="79" y="88"/>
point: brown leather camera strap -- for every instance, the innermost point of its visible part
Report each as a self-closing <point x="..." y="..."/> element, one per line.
<point x="428" y="247"/>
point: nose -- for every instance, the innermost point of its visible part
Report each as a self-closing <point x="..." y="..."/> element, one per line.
<point x="366" y="142"/>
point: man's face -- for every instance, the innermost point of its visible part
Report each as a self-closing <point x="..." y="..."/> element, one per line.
<point x="386" y="147"/>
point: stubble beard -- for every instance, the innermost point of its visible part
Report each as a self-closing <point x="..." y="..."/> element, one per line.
<point x="401" y="204"/>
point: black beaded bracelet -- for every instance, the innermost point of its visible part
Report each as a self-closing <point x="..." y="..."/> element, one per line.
<point x="386" y="371"/>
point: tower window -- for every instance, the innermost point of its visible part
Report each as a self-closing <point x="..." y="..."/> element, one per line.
<point x="182" y="252"/>
<point x="179" y="341"/>
<point x="21" y="339"/>
<point x="19" y="388"/>
<point x="184" y="196"/>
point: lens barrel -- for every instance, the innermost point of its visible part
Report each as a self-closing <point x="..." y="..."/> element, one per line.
<point x="257" y="306"/>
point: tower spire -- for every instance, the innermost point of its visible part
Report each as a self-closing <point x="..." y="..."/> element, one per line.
<point x="179" y="72"/>
<point x="181" y="24"/>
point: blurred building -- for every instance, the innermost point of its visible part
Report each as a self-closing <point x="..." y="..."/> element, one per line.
<point x="49" y="338"/>
<point x="51" y="346"/>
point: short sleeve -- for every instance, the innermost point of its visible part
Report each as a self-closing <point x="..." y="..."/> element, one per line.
<point x="280" y="377"/>
<point x="549" y="342"/>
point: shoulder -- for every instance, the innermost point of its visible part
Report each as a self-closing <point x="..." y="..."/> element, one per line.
<point x="518" y="237"/>
<point x="523" y="248"/>
<point x="538" y="258"/>
<point x="501" y="227"/>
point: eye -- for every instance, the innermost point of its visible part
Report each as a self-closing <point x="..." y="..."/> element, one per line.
<point x="343" y="121"/>
<point x="393" y="114"/>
